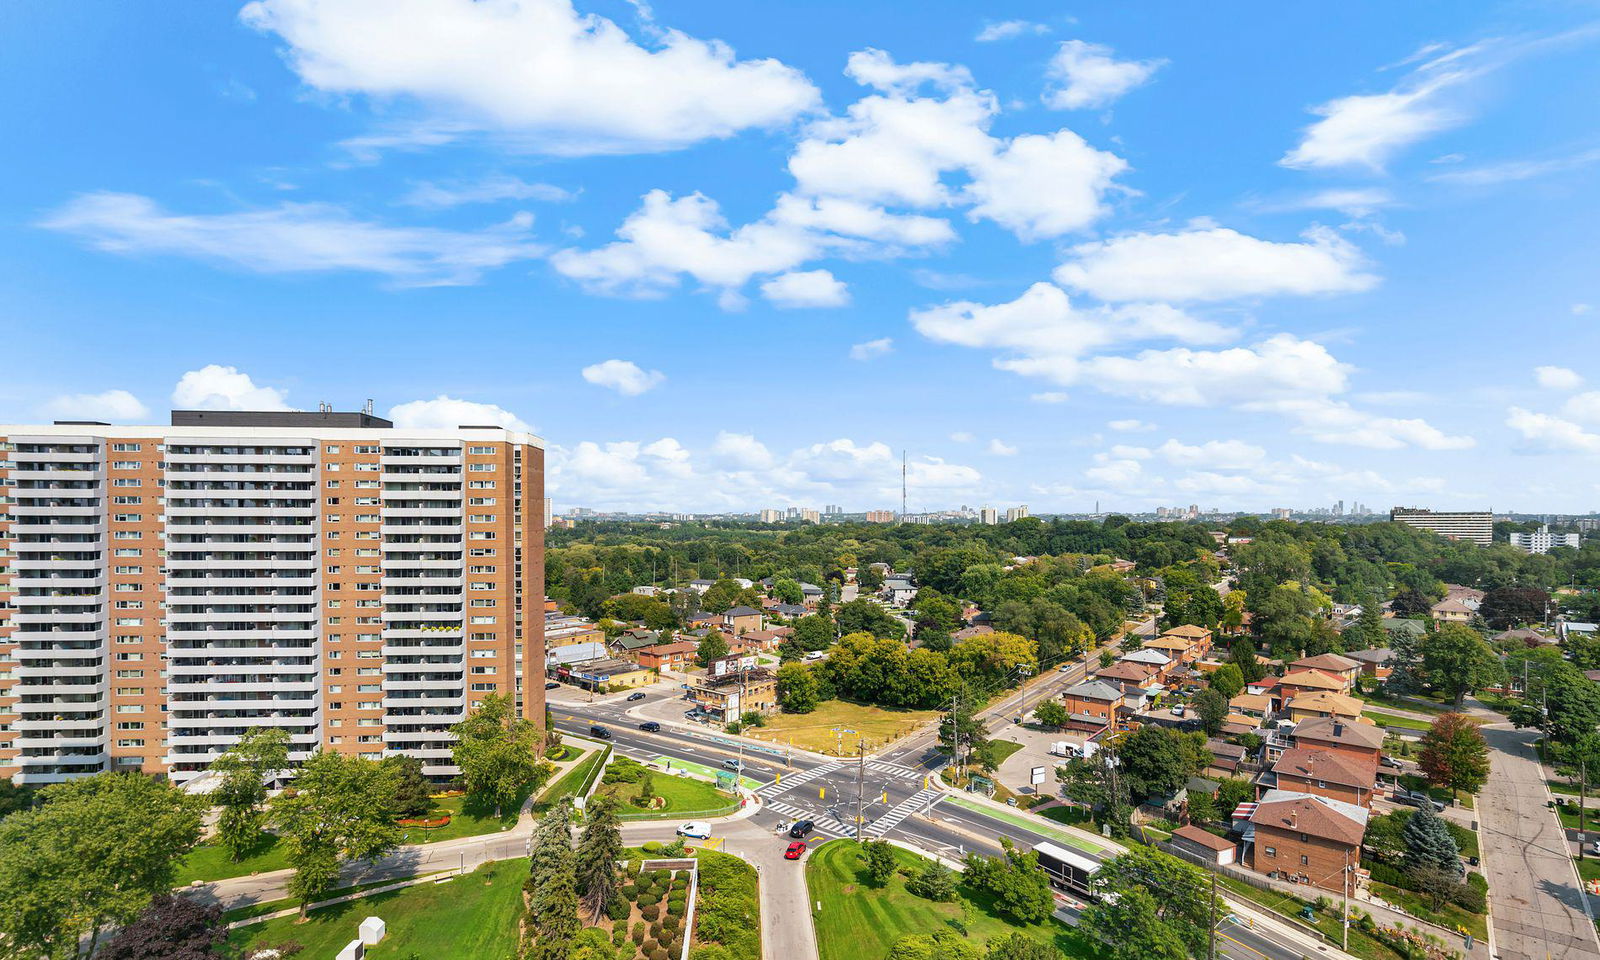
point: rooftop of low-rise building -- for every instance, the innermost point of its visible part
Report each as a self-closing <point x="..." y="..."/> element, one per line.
<point x="1326" y="661"/>
<point x="1307" y="813"/>
<point x="1321" y="764"/>
<point x="1334" y="730"/>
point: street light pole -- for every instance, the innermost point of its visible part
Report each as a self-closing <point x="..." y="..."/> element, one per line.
<point x="861" y="782"/>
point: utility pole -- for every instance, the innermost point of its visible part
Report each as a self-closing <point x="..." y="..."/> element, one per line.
<point x="1346" y="925"/>
<point x="1211" y="947"/>
<point x="861" y="784"/>
<point x="1583" y="794"/>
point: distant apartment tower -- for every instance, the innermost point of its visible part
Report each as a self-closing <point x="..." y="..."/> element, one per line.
<point x="989" y="516"/>
<point x="880" y="516"/>
<point x="1282" y="513"/>
<point x="810" y="516"/>
<point x="1014" y="514"/>
<point x="1543" y="541"/>
<point x="1474" y="525"/>
<point x="772" y="516"/>
<point x="167" y="588"/>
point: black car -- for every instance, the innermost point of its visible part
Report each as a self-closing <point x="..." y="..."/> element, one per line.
<point x="552" y="685"/>
<point x="635" y="696"/>
<point x="801" y="828"/>
<point x="650" y="726"/>
<point x="1416" y="798"/>
<point x="599" y="731"/>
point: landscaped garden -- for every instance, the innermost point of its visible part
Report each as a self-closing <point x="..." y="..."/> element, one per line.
<point x="860" y="920"/>
<point x="469" y="918"/>
<point x="643" y="793"/>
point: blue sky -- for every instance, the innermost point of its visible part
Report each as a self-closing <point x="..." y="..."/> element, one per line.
<point x="726" y="256"/>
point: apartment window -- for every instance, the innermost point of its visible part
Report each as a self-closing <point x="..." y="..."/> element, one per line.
<point x="482" y="569"/>
<point x="482" y="671"/>
<point x="127" y="482"/>
<point x="335" y="517"/>
<point x="127" y="535"/>
<point x="336" y="688"/>
<point x="481" y="518"/>
<point x="480" y="484"/>
<point x="336" y="671"/>
<point x="481" y="535"/>
<point x="127" y="552"/>
<point x="368" y="501"/>
<point x="131" y="725"/>
<point x="333" y="484"/>
<point x="334" y="605"/>
<point x="124" y="464"/>
<point x="482" y="585"/>
<point x="366" y="468"/>
<point x="125" y="448"/>
<point x="481" y="451"/>
<point x="130" y="674"/>
<point x="369" y="705"/>
<point x="129" y="691"/>
<point x="124" y="638"/>
<point x="480" y="501"/>
<point x="1305" y="861"/>
<point x="333" y="551"/>
<point x="335" y="705"/>
<point x="1304" y="838"/>
<point x="128" y="571"/>
<point x="481" y="552"/>
<point x="484" y="654"/>
<point x="368" y="535"/>
<point x="335" y="721"/>
<point x="484" y="602"/>
<point x="368" y="654"/>
<point x="332" y="501"/>
<point x="127" y="501"/>
<point x="1272" y="851"/>
<point x="369" y="568"/>
<point x="369" y="688"/>
<point x="370" y="721"/>
<point x="369" y="603"/>
<point x="477" y="687"/>
<point x="367" y="449"/>
<point x="331" y="448"/>
<point x="333" y="571"/>
<point x="369" y="671"/>
<point x="366" y="518"/>
<point x="367" y="484"/>
<point x="368" y="552"/>
<point x="482" y="467"/>
<point x="481" y="620"/>
<point x="130" y="621"/>
<point x="130" y="708"/>
<point x="335" y="740"/>
<point x="128" y="587"/>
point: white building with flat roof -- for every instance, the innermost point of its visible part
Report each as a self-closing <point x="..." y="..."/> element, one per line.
<point x="1474" y="525"/>
<point x="1543" y="541"/>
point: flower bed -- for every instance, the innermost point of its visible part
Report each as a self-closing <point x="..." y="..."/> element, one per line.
<point x="442" y="821"/>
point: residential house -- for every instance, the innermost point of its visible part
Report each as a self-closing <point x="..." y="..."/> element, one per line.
<point x="561" y="630"/>
<point x="1525" y="636"/>
<point x="967" y="633"/>
<point x="1177" y="649"/>
<point x="1360" y="742"/>
<point x="1200" y="636"/>
<point x="1470" y="597"/>
<point x="646" y="591"/>
<point x="628" y="643"/>
<point x="726" y="698"/>
<point x="1324" y="703"/>
<point x="1414" y="629"/>
<point x="899" y="591"/>
<point x="1450" y="610"/>
<point x="1092" y="704"/>
<point x="1137" y="674"/>
<point x="1345" y="615"/>
<point x="740" y="619"/>
<point x="761" y="640"/>
<point x="790" y="611"/>
<point x="676" y="657"/>
<point x="810" y="596"/>
<point x="1374" y="662"/>
<point x="1567" y="629"/>
<point x="1323" y="773"/>
<point x="1331" y="665"/>
<point x="1305" y="837"/>
<point x="1254" y="706"/>
<point x="1298" y="682"/>
<point x="1225" y="758"/>
<point x="1208" y="846"/>
<point x="701" y="586"/>
<point x="1156" y="660"/>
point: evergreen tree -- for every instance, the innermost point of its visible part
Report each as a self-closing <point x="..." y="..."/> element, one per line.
<point x="553" y="834"/>
<point x="596" y="860"/>
<point x="1369" y="628"/>
<point x="936" y="882"/>
<point x="1429" y="844"/>
<point x="552" y="886"/>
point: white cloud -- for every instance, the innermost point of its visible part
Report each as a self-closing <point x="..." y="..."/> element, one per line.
<point x="296" y="238"/>
<point x="1579" y="309"/>
<point x="1518" y="170"/>
<point x="1007" y="29"/>
<point x="806" y="288"/>
<point x="1557" y="378"/>
<point x="1115" y="473"/>
<point x="1213" y="454"/>
<point x="490" y="189"/>
<point x="1089" y="75"/>
<point x="535" y="73"/>
<point x="1350" y="201"/>
<point x="743" y="451"/>
<point x="1366" y="130"/>
<point x="1130" y="426"/>
<point x="1552" y="434"/>
<point x="623" y="376"/>
<point x="447" y="413"/>
<point x="1584" y="407"/>
<point x="1214" y="263"/>
<point x="872" y="349"/>
<point x="1000" y="448"/>
<point x="110" y="405"/>
<point x="1050" y="396"/>
<point x="215" y="387"/>
<point x="962" y="436"/>
<point x="1040" y="186"/>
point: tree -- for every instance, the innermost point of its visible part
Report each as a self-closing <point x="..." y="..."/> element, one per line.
<point x="1243" y="656"/>
<point x="1368" y="630"/>
<point x="880" y="860"/>
<point x="170" y="928"/>
<point x="1231" y="792"/>
<point x="864" y="616"/>
<point x="993" y="659"/>
<point x="553" y="913"/>
<point x="595" y="863"/>
<point x="413" y="793"/>
<point x="1410" y="602"/>
<point x="799" y="691"/>
<point x="1212" y="709"/>
<point x="1565" y="704"/>
<point x="498" y="753"/>
<point x="1017" y="946"/>
<point x="1429" y="844"/>
<point x="1129" y="927"/>
<point x="1227" y="680"/>
<point x="1437" y="882"/>
<point x="1458" y="661"/>
<point x="1051" y="714"/>
<point x="936" y="882"/>
<point x="713" y="647"/>
<point x="788" y="591"/>
<point x="242" y="792"/>
<point x="726" y="594"/>
<point x="14" y="797"/>
<point x="1506" y="607"/>
<point x="1095" y="783"/>
<point x="1020" y="888"/>
<point x="1181" y="890"/>
<point x="814" y="632"/>
<point x="1154" y="761"/>
<point x="92" y="854"/>
<point x="1454" y="754"/>
<point x="340" y="808"/>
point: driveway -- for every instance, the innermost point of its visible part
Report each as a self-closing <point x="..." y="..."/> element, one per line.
<point x="1538" y="907"/>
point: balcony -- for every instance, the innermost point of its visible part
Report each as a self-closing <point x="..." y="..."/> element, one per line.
<point x="21" y="473"/>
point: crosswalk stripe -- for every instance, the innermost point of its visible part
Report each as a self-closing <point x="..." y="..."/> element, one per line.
<point x="901" y="811"/>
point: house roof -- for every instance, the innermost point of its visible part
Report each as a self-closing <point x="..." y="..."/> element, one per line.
<point x="1306" y="813"/>
<point x="1251" y="701"/>
<point x="1458" y="592"/>
<point x="1401" y="625"/>
<point x="742" y="611"/>
<point x="1329" y="730"/>
<point x="1522" y="633"/>
<point x="790" y="610"/>
<point x="1203" y="838"/>
<point x="1331" y="702"/>
<point x="1313" y="679"/>
<point x="1310" y="764"/>
<point x="1222" y="748"/>
<point x="1327" y="661"/>
<point x="1450" y="605"/>
<point x="669" y="649"/>
<point x="1093" y="690"/>
<point x="1169" y="643"/>
<point x="1188" y="630"/>
<point x="630" y="642"/>
<point x="976" y="630"/>
<point x="1131" y="672"/>
<point x="1377" y="655"/>
<point x="1154" y="658"/>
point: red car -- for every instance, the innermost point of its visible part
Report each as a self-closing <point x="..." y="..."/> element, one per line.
<point x="795" y="852"/>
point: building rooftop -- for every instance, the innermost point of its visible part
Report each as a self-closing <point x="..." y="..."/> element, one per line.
<point x="1307" y="813"/>
<point x="278" y="418"/>
<point x="1154" y="658"/>
<point x="1093" y="690"/>
<point x="1377" y="655"/>
<point x="1316" y="764"/>
<point x="1313" y="679"/>
<point x="1188" y="631"/>
<point x="1326" y="661"/>
<point x="1329" y="701"/>
<point x="1203" y="838"/>
<point x="742" y="611"/>
<point x="1333" y="730"/>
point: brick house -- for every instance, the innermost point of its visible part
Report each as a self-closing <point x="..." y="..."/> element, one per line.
<point x="1324" y="703"/>
<point x="1331" y="665"/>
<point x="1156" y="660"/>
<point x="1298" y="682"/>
<point x="1304" y="837"/>
<point x="1359" y="742"/>
<point x="743" y="619"/>
<point x="676" y="657"/>
<point x="1093" y="702"/>
<point x="1198" y="637"/>
<point x="1136" y="674"/>
<point x="1374" y="662"/>
<point x="1324" y="774"/>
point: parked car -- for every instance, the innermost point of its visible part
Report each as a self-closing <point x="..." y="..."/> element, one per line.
<point x="1390" y="762"/>
<point x="635" y="696"/>
<point x="795" y="852"/>
<point x="1416" y="798"/>
<point x="733" y="763"/>
<point x="552" y="685"/>
<point x="599" y="731"/>
<point x="803" y="827"/>
<point x="1065" y="667"/>
<point x="650" y="726"/>
<point x="695" y="829"/>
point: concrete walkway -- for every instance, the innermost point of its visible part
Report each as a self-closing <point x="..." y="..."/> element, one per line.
<point x="1539" y="910"/>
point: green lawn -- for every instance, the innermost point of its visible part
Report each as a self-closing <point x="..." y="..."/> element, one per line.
<point x="683" y="795"/>
<point x="815" y="730"/>
<point x="1449" y="915"/>
<point x="569" y="784"/>
<point x="469" y="918"/>
<point x="1003" y="749"/>
<point x="466" y="820"/>
<point x="1395" y="721"/>
<point x="210" y="862"/>
<point x="859" y="921"/>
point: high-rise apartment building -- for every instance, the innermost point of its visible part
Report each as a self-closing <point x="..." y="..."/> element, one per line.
<point x="772" y="516"/>
<point x="1476" y="525"/>
<point x="165" y="588"/>
<point x="880" y="516"/>
<point x="1013" y="514"/>
<point x="988" y="516"/>
<point x="1543" y="541"/>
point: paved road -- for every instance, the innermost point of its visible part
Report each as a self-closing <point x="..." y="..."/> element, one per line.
<point x="1537" y="904"/>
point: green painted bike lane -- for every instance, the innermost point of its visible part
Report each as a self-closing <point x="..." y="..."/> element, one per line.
<point x="701" y="770"/>
<point x="1030" y="824"/>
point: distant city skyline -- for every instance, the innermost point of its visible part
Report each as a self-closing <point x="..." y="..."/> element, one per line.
<point x="724" y="259"/>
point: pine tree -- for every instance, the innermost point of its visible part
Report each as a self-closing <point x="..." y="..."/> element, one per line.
<point x="553" y="835"/>
<point x="551" y="885"/>
<point x="595" y="866"/>
<point x="1429" y="844"/>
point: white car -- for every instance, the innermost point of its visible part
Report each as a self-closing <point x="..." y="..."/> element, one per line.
<point x="695" y="829"/>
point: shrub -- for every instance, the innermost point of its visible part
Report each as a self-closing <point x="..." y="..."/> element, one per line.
<point x="619" y="934"/>
<point x="677" y="908"/>
<point x="637" y="935"/>
<point x="651" y="846"/>
<point x="662" y="876"/>
<point x="657" y="931"/>
<point x="660" y="953"/>
<point x="631" y="891"/>
<point x="650" y="947"/>
<point x="618" y="908"/>
<point x="650" y="912"/>
<point x="671" y="923"/>
<point x="1473" y="895"/>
